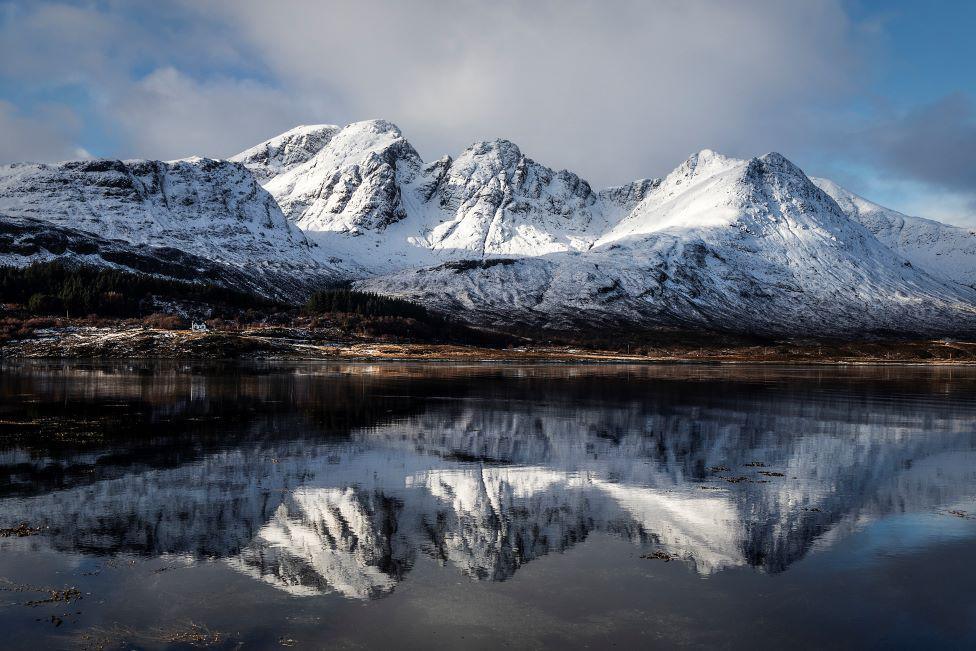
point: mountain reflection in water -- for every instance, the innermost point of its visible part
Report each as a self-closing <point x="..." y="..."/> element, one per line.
<point x="336" y="479"/>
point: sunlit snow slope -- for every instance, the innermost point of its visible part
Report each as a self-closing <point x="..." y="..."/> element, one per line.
<point x="936" y="247"/>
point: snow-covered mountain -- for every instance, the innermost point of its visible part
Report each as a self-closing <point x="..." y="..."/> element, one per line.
<point x="212" y="210"/>
<point x="368" y="199"/>
<point x="936" y="247"/>
<point x="352" y="183"/>
<point x="497" y="238"/>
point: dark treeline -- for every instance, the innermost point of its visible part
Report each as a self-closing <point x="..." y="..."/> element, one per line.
<point x="348" y="301"/>
<point x="53" y="288"/>
<point x="384" y="316"/>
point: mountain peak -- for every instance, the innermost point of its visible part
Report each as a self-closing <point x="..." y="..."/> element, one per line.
<point x="310" y="128"/>
<point x="376" y="125"/>
<point x="702" y="155"/>
<point x="707" y="158"/>
<point x="285" y="151"/>
<point x="498" y="145"/>
<point x="777" y="161"/>
<point x="492" y="156"/>
<point x="356" y="141"/>
<point x="352" y="183"/>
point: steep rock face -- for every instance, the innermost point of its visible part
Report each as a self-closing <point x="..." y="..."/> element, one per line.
<point x="495" y="200"/>
<point x="946" y="250"/>
<point x="351" y="185"/>
<point x="207" y="209"/>
<point x="287" y="151"/>
<point x="624" y="198"/>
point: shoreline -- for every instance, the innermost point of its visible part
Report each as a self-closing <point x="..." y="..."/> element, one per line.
<point x="142" y="343"/>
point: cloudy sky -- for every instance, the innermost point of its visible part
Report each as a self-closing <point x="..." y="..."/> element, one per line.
<point x="879" y="96"/>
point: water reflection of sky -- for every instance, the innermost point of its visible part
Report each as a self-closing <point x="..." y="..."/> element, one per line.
<point x="894" y="535"/>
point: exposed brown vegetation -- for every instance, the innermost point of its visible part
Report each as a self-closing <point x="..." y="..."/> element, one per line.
<point x="20" y="531"/>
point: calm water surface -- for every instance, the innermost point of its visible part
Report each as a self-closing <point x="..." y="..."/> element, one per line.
<point x="418" y="506"/>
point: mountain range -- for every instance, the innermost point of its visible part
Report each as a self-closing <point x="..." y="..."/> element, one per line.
<point x="494" y="238"/>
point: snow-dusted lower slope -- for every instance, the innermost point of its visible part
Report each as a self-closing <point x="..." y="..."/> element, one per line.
<point x="208" y="209"/>
<point x="24" y="240"/>
<point x="936" y="247"/>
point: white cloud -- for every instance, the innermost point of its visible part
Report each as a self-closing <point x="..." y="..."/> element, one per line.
<point x="170" y="115"/>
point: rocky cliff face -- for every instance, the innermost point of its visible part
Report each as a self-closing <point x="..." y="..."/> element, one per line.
<point x="353" y="184"/>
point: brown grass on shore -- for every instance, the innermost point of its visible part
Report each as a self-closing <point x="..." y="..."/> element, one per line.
<point x="128" y="341"/>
